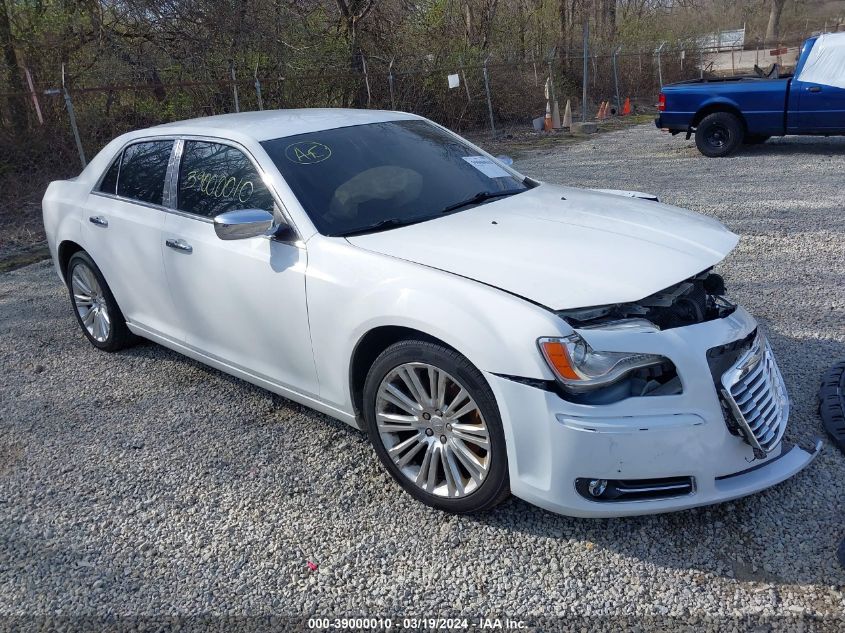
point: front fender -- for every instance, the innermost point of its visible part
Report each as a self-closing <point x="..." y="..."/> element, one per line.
<point x="351" y="291"/>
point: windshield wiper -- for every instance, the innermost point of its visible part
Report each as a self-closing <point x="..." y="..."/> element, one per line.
<point x="381" y="225"/>
<point x="481" y="196"/>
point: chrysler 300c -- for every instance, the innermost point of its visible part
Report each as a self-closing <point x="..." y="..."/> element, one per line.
<point x="492" y="334"/>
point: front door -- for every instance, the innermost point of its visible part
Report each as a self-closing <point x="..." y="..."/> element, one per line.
<point x="821" y="107"/>
<point x="241" y="301"/>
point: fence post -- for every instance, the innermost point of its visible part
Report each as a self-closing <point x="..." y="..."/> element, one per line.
<point x="390" y="82"/>
<point x="489" y="100"/>
<point x="466" y="83"/>
<point x="366" y="78"/>
<point x="235" y="89"/>
<point x="616" y="79"/>
<point x="258" y="89"/>
<point x="586" y="70"/>
<point x="34" y="96"/>
<point x="551" y="83"/>
<point x="659" y="65"/>
<point x="72" y="116"/>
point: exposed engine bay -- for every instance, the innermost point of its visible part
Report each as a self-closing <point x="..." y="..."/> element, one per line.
<point x="694" y="300"/>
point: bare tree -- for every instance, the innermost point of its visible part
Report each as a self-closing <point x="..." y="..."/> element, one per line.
<point x="352" y="14"/>
<point x="17" y="103"/>
<point x="773" y="29"/>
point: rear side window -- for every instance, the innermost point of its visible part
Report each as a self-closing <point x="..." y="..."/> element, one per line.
<point x="216" y="178"/>
<point x="109" y="182"/>
<point x="143" y="170"/>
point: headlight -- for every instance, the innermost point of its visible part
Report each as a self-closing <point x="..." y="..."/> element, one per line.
<point x="580" y="368"/>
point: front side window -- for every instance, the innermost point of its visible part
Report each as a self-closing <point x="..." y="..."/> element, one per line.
<point x="143" y="170"/>
<point x="216" y="178"/>
<point x="363" y="177"/>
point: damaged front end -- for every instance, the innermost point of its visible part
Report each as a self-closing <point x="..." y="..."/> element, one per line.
<point x="695" y="300"/>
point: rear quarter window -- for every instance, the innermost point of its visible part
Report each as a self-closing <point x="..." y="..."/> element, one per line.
<point x="109" y="182"/>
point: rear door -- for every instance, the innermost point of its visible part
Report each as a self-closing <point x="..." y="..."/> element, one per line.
<point x="241" y="301"/>
<point x="126" y="213"/>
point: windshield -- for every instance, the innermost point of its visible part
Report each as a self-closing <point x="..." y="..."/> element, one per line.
<point x="381" y="175"/>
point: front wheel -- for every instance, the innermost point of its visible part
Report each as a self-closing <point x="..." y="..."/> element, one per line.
<point x="719" y="134"/>
<point x="435" y="426"/>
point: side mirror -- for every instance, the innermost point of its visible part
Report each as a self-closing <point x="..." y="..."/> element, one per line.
<point x="242" y="224"/>
<point x="507" y="160"/>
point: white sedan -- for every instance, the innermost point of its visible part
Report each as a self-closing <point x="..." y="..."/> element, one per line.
<point x="492" y="334"/>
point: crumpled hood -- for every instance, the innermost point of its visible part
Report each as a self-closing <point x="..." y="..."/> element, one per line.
<point x="564" y="247"/>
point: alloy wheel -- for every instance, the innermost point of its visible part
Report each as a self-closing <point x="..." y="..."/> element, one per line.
<point x="90" y="303"/>
<point x="433" y="430"/>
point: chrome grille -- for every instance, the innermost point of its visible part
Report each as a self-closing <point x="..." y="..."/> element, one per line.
<point x="756" y="395"/>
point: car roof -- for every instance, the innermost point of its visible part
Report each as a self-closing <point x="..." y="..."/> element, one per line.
<point x="271" y="124"/>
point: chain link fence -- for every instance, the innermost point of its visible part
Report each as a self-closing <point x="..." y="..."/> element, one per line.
<point x="74" y="112"/>
<point x="492" y="93"/>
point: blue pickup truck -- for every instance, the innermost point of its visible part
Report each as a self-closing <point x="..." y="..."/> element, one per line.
<point x="725" y="113"/>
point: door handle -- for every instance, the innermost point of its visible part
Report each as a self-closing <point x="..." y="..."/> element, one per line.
<point x="179" y="245"/>
<point x="814" y="89"/>
<point x="98" y="220"/>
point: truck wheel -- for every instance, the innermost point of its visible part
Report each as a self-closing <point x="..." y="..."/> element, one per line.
<point x="756" y="139"/>
<point x="719" y="134"/>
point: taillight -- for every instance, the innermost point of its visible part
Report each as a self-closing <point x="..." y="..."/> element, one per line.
<point x="661" y="102"/>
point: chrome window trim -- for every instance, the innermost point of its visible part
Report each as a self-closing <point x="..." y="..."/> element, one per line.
<point x="149" y="205"/>
<point x="171" y="180"/>
<point x="169" y="196"/>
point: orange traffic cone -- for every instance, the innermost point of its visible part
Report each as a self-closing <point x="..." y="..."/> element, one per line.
<point x="626" y="109"/>
<point x="604" y="110"/>
<point x="600" y="112"/>
<point x="547" y="122"/>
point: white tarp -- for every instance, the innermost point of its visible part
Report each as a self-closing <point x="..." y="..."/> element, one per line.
<point x="826" y="63"/>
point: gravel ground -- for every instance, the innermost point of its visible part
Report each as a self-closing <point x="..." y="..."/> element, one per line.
<point x="144" y="484"/>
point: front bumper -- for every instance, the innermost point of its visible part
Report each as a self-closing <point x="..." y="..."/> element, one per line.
<point x="552" y="442"/>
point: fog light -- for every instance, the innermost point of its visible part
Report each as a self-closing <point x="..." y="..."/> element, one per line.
<point x="597" y="487"/>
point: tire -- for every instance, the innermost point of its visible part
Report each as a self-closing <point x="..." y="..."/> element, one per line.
<point x="93" y="304"/>
<point x="470" y="485"/>
<point x="755" y="139"/>
<point x="719" y="134"/>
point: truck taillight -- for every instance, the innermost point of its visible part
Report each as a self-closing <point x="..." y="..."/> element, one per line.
<point x="661" y="102"/>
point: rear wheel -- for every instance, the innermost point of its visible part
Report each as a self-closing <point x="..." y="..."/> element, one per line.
<point x="435" y="426"/>
<point x="719" y="134"/>
<point x="96" y="310"/>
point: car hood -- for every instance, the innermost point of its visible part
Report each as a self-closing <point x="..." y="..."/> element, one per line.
<point x="564" y="247"/>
